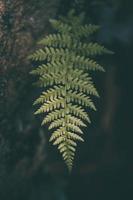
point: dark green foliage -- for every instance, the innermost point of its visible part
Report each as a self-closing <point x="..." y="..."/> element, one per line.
<point x="66" y="81"/>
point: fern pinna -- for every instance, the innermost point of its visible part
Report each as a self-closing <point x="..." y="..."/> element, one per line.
<point x="67" y="60"/>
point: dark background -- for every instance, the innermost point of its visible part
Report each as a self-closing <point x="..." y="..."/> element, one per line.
<point x="30" y="168"/>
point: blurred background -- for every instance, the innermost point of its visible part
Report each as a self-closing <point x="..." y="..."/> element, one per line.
<point x="30" y="168"/>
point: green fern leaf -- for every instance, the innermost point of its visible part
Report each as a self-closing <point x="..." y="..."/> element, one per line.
<point x="65" y="78"/>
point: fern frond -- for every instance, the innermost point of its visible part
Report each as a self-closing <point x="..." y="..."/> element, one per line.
<point x="60" y="26"/>
<point x="74" y="128"/>
<point x="81" y="99"/>
<point x="91" y="49"/>
<point x="56" y="134"/>
<point x="78" y="111"/>
<point x="51" y="79"/>
<point x="57" y="123"/>
<point x="39" y="55"/>
<point x="74" y="136"/>
<point x="65" y="77"/>
<point x="83" y="86"/>
<point x="50" y="94"/>
<point x="86" y="30"/>
<point x="75" y="121"/>
<point x="50" y="105"/>
<point x="56" y="114"/>
<point x="87" y="64"/>
<point x="57" y="41"/>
